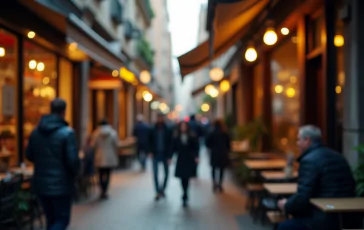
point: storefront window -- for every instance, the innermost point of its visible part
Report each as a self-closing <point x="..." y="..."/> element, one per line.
<point x="8" y="108"/>
<point x="66" y="87"/>
<point x="285" y="99"/>
<point x="40" y="84"/>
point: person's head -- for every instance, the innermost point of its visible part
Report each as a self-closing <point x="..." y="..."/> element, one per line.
<point x="308" y="135"/>
<point x="58" y="107"/>
<point x="193" y="117"/>
<point x="160" y="118"/>
<point x="103" y="122"/>
<point x="219" y="125"/>
<point x="140" y="117"/>
<point x="183" y="127"/>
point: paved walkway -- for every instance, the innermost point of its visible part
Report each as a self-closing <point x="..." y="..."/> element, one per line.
<point x="131" y="205"/>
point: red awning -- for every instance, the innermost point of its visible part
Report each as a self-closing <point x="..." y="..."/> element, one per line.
<point x="230" y="25"/>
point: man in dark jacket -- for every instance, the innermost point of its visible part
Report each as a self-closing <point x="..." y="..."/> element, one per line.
<point x="141" y="133"/>
<point x="323" y="173"/>
<point x="53" y="150"/>
<point x="160" y="140"/>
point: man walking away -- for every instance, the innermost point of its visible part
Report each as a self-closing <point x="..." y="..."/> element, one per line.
<point x="53" y="150"/>
<point x="160" y="144"/>
<point x="141" y="133"/>
<point x="323" y="173"/>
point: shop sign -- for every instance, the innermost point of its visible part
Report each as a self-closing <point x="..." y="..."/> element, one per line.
<point x="8" y="100"/>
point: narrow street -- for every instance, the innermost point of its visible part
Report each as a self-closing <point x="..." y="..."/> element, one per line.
<point x="131" y="205"/>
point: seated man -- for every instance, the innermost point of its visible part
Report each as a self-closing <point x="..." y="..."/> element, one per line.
<point x="323" y="173"/>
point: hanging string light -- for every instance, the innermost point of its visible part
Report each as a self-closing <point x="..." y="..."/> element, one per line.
<point x="251" y="54"/>
<point x="270" y="37"/>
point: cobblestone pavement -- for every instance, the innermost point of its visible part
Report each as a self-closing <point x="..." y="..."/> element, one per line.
<point x="131" y="205"/>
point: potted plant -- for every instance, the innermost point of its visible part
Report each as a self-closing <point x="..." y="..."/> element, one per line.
<point x="358" y="171"/>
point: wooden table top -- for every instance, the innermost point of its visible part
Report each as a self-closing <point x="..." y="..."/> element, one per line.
<point x="271" y="175"/>
<point x="354" y="204"/>
<point x="29" y="170"/>
<point x="263" y="156"/>
<point x="281" y="188"/>
<point x="265" y="164"/>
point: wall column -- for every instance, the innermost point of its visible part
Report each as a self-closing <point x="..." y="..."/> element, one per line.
<point x="354" y="83"/>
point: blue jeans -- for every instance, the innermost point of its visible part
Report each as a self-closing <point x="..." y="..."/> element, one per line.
<point x="142" y="157"/>
<point x="292" y="224"/>
<point x="57" y="210"/>
<point x="156" y="161"/>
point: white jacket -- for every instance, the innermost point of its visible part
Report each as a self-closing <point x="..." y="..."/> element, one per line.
<point x="105" y="142"/>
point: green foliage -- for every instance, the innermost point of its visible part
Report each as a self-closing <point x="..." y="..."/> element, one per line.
<point x="253" y="131"/>
<point x="23" y="201"/>
<point x="150" y="9"/>
<point x="358" y="171"/>
<point x="145" y="51"/>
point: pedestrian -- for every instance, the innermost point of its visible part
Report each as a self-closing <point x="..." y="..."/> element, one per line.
<point x="160" y="139"/>
<point x="105" y="142"/>
<point x="218" y="142"/>
<point x="53" y="150"/>
<point x="185" y="145"/>
<point x="141" y="133"/>
<point x="322" y="173"/>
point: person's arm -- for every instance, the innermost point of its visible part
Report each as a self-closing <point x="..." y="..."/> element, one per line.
<point x="173" y="148"/>
<point x="308" y="177"/>
<point x="72" y="159"/>
<point x="195" y="147"/>
<point x="29" y="150"/>
<point x="208" y="141"/>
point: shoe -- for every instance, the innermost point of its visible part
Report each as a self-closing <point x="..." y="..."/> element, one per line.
<point x="104" y="196"/>
<point x="162" y="195"/>
<point x="185" y="203"/>
<point x="157" y="197"/>
<point x="221" y="189"/>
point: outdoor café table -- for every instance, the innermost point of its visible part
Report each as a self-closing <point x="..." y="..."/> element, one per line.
<point x="340" y="206"/>
<point x="281" y="188"/>
<point x="277" y="175"/>
<point x="259" y="165"/>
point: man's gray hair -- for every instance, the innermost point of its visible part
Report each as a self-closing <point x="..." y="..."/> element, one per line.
<point x="310" y="131"/>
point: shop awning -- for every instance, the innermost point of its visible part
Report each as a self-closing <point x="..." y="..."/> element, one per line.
<point x="230" y="25"/>
<point x="77" y="31"/>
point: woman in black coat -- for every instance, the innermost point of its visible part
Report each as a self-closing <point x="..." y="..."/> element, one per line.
<point x="218" y="142"/>
<point x="185" y="145"/>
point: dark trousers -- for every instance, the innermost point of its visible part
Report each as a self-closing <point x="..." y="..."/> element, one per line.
<point x="185" y="185"/>
<point x="104" y="179"/>
<point x="156" y="161"/>
<point x="292" y="224"/>
<point x="142" y="157"/>
<point x="221" y="178"/>
<point x="57" y="210"/>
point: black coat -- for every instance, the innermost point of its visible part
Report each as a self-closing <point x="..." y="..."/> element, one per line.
<point x="167" y="139"/>
<point x="186" y="156"/>
<point x="141" y="133"/>
<point x="53" y="150"/>
<point x="218" y="143"/>
<point x="323" y="173"/>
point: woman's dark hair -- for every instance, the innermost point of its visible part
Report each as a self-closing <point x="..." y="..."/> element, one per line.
<point x="178" y="130"/>
<point x="219" y="125"/>
<point x="103" y="122"/>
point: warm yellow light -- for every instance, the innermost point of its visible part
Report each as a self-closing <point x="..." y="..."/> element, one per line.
<point x="115" y="73"/>
<point x="40" y="66"/>
<point x="205" y="107"/>
<point x="163" y="106"/>
<point x="147" y="96"/>
<point x="338" y="89"/>
<point x="224" y="86"/>
<point x="127" y="75"/>
<point x="251" y="54"/>
<point x="216" y="74"/>
<point x="294" y="39"/>
<point x="278" y="89"/>
<point x="32" y="64"/>
<point x="214" y="93"/>
<point x="36" y="92"/>
<point x="270" y="37"/>
<point x="72" y="46"/>
<point x="290" y="92"/>
<point x="31" y="34"/>
<point x="145" y="77"/>
<point x="2" y="52"/>
<point x="178" y="108"/>
<point x="154" y="105"/>
<point x="339" y="40"/>
<point x="285" y="31"/>
<point x="293" y="79"/>
<point x="208" y="89"/>
<point x="46" y="80"/>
